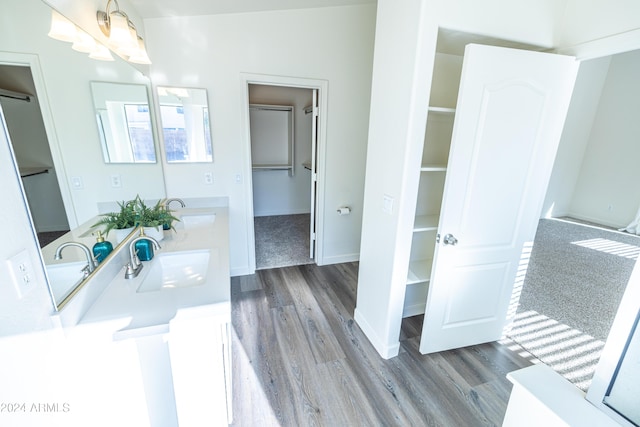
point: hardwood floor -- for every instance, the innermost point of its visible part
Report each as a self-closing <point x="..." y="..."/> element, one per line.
<point x="299" y="359"/>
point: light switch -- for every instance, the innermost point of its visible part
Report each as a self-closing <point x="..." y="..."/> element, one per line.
<point x="76" y="183"/>
<point x="387" y="204"/>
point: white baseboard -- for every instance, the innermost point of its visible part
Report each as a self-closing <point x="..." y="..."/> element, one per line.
<point x="385" y="351"/>
<point x="596" y="220"/>
<point x="243" y="271"/>
<point x="338" y="259"/>
<point x="286" y="212"/>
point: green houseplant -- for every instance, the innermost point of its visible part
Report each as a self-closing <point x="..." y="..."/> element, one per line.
<point x="136" y="213"/>
<point x="121" y="220"/>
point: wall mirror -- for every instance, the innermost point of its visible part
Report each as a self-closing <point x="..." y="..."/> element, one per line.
<point x="184" y="114"/>
<point x="124" y="122"/>
<point x="66" y="126"/>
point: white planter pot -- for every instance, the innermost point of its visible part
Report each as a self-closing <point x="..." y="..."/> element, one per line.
<point x="121" y="234"/>
<point x="157" y="234"/>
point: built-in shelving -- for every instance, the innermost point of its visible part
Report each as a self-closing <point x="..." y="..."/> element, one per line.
<point x="442" y="110"/>
<point x="433" y="168"/>
<point x="425" y="223"/>
<point x="419" y="271"/>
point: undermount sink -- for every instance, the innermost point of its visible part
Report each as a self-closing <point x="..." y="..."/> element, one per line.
<point x="64" y="277"/>
<point x="176" y="270"/>
<point x="195" y="220"/>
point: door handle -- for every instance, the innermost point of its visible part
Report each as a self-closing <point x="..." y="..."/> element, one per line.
<point x="449" y="239"/>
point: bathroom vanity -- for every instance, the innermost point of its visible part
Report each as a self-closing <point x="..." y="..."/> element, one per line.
<point x="166" y="332"/>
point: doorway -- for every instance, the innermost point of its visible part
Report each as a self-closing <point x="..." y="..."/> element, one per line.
<point x="286" y="185"/>
<point x="32" y="152"/>
<point x="281" y="150"/>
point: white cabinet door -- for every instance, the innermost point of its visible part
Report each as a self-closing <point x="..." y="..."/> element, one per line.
<point x="509" y="117"/>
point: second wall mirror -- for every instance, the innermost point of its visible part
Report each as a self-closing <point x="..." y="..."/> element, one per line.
<point x="184" y="113"/>
<point x="124" y="122"/>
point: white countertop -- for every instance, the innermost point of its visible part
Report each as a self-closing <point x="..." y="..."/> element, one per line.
<point x="126" y="313"/>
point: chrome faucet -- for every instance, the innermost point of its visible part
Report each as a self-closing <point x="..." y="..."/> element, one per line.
<point x="91" y="262"/>
<point x="175" y="199"/>
<point x="135" y="265"/>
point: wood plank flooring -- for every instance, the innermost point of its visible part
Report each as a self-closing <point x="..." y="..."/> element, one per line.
<point x="299" y="359"/>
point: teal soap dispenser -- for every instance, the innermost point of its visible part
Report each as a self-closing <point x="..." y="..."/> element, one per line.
<point x="144" y="248"/>
<point x="102" y="248"/>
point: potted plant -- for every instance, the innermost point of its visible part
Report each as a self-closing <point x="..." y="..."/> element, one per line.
<point x="136" y="213"/>
<point x="122" y="222"/>
<point x="154" y="218"/>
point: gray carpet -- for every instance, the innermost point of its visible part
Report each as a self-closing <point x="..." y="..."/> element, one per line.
<point x="282" y="240"/>
<point x="574" y="283"/>
<point x="577" y="274"/>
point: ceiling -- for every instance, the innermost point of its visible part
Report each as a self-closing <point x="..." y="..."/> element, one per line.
<point x="168" y="8"/>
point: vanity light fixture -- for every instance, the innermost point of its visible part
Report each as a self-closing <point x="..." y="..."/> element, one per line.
<point x="64" y="30"/>
<point x="122" y="34"/>
<point x="61" y="28"/>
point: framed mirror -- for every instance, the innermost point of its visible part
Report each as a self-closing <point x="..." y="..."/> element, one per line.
<point x="186" y="131"/>
<point x="124" y="122"/>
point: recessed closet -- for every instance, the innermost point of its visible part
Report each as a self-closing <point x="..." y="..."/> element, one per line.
<point x="281" y="151"/>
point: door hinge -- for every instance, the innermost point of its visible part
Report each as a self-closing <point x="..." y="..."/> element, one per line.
<point x="315" y="111"/>
<point x="313" y="236"/>
<point x="314" y="176"/>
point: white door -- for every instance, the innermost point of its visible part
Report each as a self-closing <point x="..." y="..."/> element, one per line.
<point x="314" y="173"/>
<point x="509" y="117"/>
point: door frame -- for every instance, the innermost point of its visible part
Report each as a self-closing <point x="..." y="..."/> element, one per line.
<point x="297" y="82"/>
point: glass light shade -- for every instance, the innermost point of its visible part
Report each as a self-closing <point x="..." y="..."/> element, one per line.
<point x="140" y="56"/>
<point x="129" y="50"/>
<point x="120" y="35"/>
<point x="61" y="28"/>
<point x="84" y="42"/>
<point x="101" y="53"/>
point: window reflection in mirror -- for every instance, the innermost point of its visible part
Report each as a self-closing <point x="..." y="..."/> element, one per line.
<point x="184" y="114"/>
<point x="124" y="122"/>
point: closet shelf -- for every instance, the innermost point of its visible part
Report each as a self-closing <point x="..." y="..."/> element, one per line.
<point x="272" y="167"/>
<point x="433" y="168"/>
<point x="419" y="271"/>
<point x="442" y="110"/>
<point x="425" y="223"/>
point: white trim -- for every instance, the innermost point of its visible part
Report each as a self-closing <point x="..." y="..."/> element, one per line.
<point x="387" y="352"/>
<point x="606" y="46"/>
<point x="339" y="259"/>
<point x="31" y="61"/>
<point x="323" y="88"/>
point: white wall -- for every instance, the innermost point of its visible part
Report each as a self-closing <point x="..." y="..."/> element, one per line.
<point x="607" y="188"/>
<point x="275" y="192"/>
<point x="333" y="44"/>
<point x="575" y="136"/>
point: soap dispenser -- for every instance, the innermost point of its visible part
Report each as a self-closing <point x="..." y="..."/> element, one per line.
<point x="102" y="248"/>
<point x="144" y="248"/>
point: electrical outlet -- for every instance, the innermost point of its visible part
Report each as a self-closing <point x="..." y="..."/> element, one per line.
<point x="208" y="178"/>
<point x="21" y="272"/>
<point x="116" y="181"/>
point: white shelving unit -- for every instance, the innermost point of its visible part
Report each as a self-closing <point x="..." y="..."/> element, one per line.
<point x="435" y="156"/>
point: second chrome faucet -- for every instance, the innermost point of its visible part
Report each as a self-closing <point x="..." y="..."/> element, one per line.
<point x="134" y="265"/>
